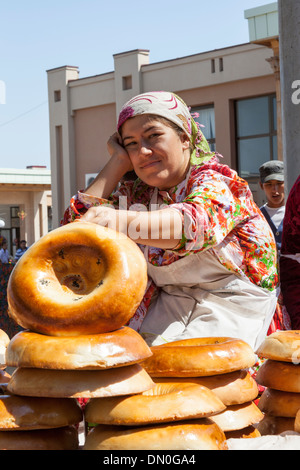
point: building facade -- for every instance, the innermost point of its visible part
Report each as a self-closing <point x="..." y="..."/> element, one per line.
<point x="234" y="90"/>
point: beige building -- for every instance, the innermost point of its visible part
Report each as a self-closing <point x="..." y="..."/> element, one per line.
<point x="235" y="91"/>
<point x="25" y="205"/>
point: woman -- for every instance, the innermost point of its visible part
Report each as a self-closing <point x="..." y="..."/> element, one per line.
<point x="211" y="255"/>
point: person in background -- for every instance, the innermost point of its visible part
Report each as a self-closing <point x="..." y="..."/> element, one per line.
<point x="5" y="257"/>
<point x="290" y="256"/>
<point x="21" y="250"/>
<point x="272" y="183"/>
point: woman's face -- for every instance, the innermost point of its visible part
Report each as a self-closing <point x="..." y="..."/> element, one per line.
<point x="160" y="157"/>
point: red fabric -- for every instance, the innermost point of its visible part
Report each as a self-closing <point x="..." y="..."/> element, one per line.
<point x="290" y="269"/>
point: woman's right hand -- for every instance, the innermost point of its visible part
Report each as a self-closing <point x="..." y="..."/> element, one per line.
<point x="117" y="151"/>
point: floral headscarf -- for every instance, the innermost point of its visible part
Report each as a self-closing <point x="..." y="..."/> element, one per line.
<point x="172" y="107"/>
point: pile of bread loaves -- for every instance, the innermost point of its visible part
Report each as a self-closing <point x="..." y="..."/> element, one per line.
<point x="280" y="374"/>
<point x="73" y="292"/>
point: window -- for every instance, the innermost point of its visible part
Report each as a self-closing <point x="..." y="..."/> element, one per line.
<point x="213" y="66"/>
<point x="256" y="133"/>
<point x="207" y="119"/>
<point x="57" y="95"/>
<point x="14" y="216"/>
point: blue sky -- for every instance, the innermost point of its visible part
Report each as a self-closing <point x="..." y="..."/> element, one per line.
<point x="36" y="36"/>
